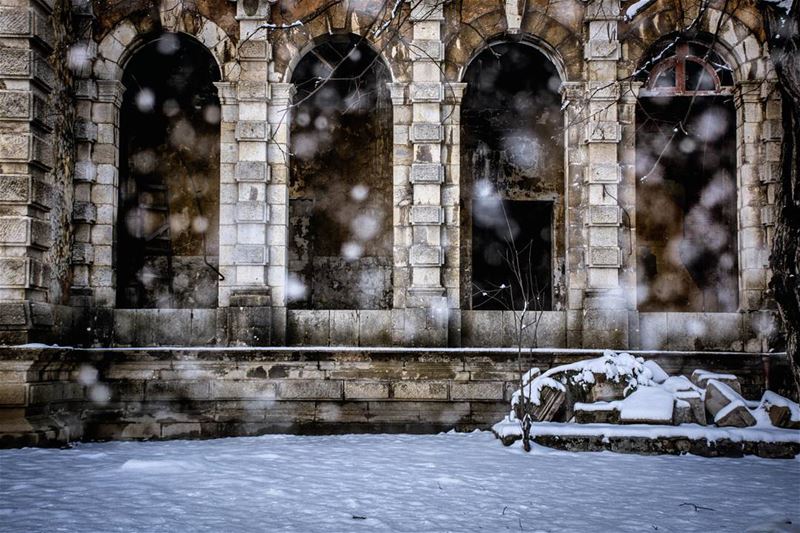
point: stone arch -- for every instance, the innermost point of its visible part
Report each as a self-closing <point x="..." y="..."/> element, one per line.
<point x="739" y="43"/>
<point x="121" y="43"/>
<point x="291" y="44"/>
<point x="340" y="187"/>
<point x="557" y="39"/>
<point x="687" y="185"/>
<point x="167" y="235"/>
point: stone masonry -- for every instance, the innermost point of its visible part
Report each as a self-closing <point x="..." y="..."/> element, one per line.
<point x="70" y="298"/>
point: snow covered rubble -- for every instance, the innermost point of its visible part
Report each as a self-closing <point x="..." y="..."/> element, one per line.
<point x="403" y="483"/>
<point x="619" y="396"/>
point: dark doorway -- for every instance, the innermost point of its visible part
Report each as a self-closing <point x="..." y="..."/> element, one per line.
<point x="500" y="265"/>
<point x="340" y="193"/>
<point x="168" y="219"/>
<point x="512" y="179"/>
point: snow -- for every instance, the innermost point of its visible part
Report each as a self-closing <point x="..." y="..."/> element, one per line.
<point x="645" y="404"/>
<point x="637" y="8"/>
<point x="615" y="366"/>
<point x="770" y="398"/>
<point x="452" y="482"/>
<point x="648" y="403"/>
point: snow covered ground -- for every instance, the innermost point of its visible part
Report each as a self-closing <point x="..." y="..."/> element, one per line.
<point x="452" y="482"/>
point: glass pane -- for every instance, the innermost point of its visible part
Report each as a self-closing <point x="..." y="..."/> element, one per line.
<point x="666" y="78"/>
<point x="698" y="78"/>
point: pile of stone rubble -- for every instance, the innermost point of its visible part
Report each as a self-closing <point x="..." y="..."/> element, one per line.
<point x="620" y="389"/>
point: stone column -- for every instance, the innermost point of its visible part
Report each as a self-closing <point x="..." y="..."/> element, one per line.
<point x="244" y="213"/>
<point x="26" y="159"/>
<point x="425" y="319"/>
<point x="451" y="201"/>
<point x="573" y="95"/>
<point x="759" y="135"/>
<point x="278" y="197"/>
<point x="605" y="318"/>
<point x="753" y="157"/>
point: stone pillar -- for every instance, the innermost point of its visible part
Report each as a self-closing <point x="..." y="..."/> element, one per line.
<point x="605" y="318"/>
<point x="244" y="212"/>
<point x="759" y="135"/>
<point x="573" y="95"/>
<point x="753" y="157"/>
<point x="426" y="317"/>
<point x="627" y="203"/>
<point x="26" y="159"/>
<point x="278" y="197"/>
<point x="451" y="201"/>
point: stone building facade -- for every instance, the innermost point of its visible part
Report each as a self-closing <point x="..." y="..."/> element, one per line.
<point x="75" y="250"/>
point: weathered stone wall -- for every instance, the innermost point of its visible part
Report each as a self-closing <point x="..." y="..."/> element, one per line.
<point x="596" y="51"/>
<point x="51" y="396"/>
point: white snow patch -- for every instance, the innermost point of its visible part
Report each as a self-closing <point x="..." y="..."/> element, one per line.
<point x="453" y="482"/>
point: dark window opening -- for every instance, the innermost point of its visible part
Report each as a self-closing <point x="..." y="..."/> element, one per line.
<point x="512" y="181"/>
<point x="340" y="192"/>
<point x="686" y="204"/>
<point x="508" y="270"/>
<point x="168" y="217"/>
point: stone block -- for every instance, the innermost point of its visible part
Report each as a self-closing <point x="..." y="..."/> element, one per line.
<point x="15" y="105"/>
<point x="13" y="394"/>
<point x="252" y="130"/>
<point x="423" y="255"/>
<point x="310" y="389"/>
<point x="420" y="390"/>
<point x="343" y="327"/>
<point x="702" y="377"/>
<point x="426" y="133"/>
<point x="309" y="328"/>
<point x="176" y="390"/>
<point x="604" y="215"/>
<point x="181" y="430"/>
<point x="256" y="389"/>
<point x="604" y="256"/>
<point x="426" y="215"/>
<point x="596" y="413"/>
<point x="251" y="171"/>
<point x="477" y="390"/>
<point x="251" y="211"/>
<point x="726" y="406"/>
<point x="250" y="254"/>
<point x="427" y="49"/>
<point x="366" y="390"/>
<point x="374" y="328"/>
<point x="85" y="212"/>
<point x="426" y="92"/>
<point x="427" y="173"/>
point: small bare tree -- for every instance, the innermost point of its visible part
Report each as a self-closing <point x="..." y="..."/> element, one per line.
<point x="523" y="296"/>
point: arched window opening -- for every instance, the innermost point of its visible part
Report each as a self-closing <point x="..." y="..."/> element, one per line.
<point x="686" y="186"/>
<point x="340" y="192"/>
<point x="168" y="219"/>
<point x="512" y="187"/>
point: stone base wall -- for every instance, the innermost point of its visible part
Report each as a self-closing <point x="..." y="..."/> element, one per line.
<point x="51" y="396"/>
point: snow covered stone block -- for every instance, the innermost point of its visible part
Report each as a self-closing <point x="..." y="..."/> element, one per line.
<point x="648" y="405"/>
<point x="782" y="412"/>
<point x="697" y="409"/>
<point x="702" y="377"/>
<point x="659" y="376"/>
<point x="597" y="413"/>
<point x="726" y="406"/>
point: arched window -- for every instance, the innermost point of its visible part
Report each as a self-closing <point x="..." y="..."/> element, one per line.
<point x="686" y="187"/>
<point x="340" y="187"/>
<point x="168" y="219"/>
<point x="512" y="180"/>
